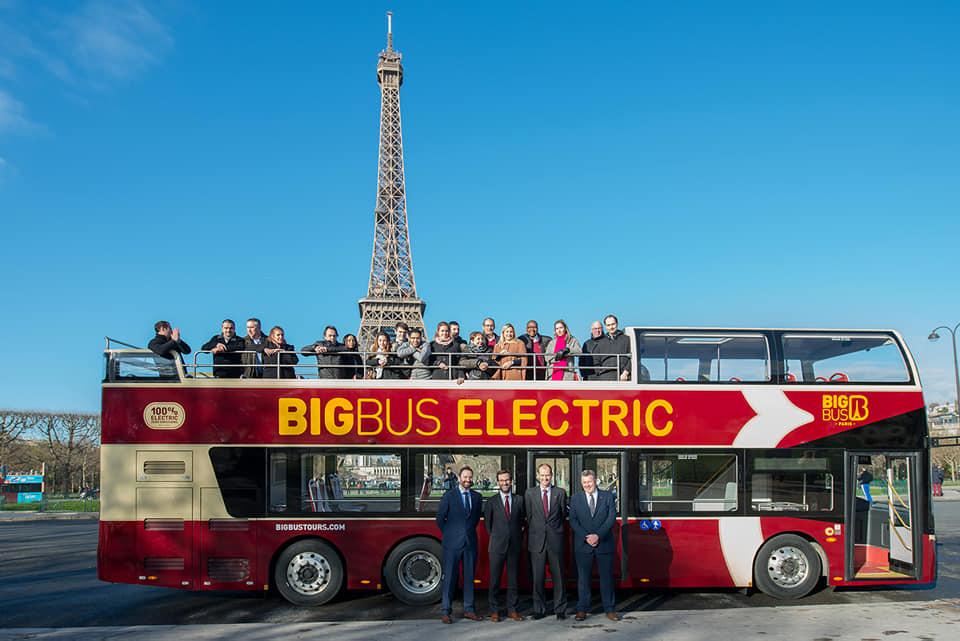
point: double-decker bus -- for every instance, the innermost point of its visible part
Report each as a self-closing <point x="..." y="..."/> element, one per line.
<point x="734" y="456"/>
<point x="22" y="488"/>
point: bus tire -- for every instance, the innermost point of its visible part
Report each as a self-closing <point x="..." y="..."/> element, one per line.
<point x="787" y="567"/>
<point x="414" y="570"/>
<point x="308" y="573"/>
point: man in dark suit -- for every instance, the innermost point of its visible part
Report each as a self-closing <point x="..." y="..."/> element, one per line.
<point x="457" y="518"/>
<point x="592" y="514"/>
<point x="546" y="509"/>
<point x="503" y="518"/>
<point x="226" y="347"/>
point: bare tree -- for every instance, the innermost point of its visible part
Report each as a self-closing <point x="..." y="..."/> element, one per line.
<point x="13" y="424"/>
<point x="69" y="438"/>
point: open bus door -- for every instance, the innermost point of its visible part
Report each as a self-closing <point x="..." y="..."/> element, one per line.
<point x="881" y="500"/>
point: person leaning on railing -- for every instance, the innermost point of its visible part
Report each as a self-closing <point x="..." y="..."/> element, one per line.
<point x="587" y="371"/>
<point x="560" y="354"/>
<point x="416" y="354"/>
<point x="277" y="359"/>
<point x="612" y="356"/>
<point x="226" y="347"/>
<point x="510" y="354"/>
<point x="444" y="352"/>
<point x="253" y="344"/>
<point x="328" y="352"/>
<point x="351" y="361"/>
<point x="476" y="359"/>
<point x="383" y="362"/>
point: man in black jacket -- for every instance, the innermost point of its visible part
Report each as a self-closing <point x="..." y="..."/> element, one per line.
<point x="503" y="517"/>
<point x="536" y="347"/>
<point x="587" y="371"/>
<point x="226" y="347"/>
<point x="327" y="351"/>
<point x="253" y="344"/>
<point x="612" y="359"/>
<point x="167" y="342"/>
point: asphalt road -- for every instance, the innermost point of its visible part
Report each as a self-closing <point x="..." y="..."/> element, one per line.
<point x="48" y="578"/>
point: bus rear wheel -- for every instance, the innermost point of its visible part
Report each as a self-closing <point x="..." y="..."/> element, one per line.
<point x="787" y="567"/>
<point x="413" y="571"/>
<point x="308" y="573"/>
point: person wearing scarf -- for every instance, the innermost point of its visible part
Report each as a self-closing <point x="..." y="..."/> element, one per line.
<point x="383" y="362"/>
<point x="510" y="355"/>
<point x="477" y="364"/>
<point x="560" y="353"/>
<point x="443" y="350"/>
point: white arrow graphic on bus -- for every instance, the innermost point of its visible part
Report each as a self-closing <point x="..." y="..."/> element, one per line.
<point x="776" y="417"/>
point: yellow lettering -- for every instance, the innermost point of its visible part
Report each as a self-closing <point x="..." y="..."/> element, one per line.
<point x="651" y="408"/>
<point x="292" y="417"/>
<point x="315" y="422"/>
<point x="337" y="416"/>
<point x="463" y="416"/>
<point x="519" y="415"/>
<point x="361" y="415"/>
<point x="636" y="416"/>
<point x="585" y="420"/>
<point x="491" y="417"/>
<point x="548" y="429"/>
<point x="608" y="416"/>
<point x="409" y="419"/>
<point x="427" y="417"/>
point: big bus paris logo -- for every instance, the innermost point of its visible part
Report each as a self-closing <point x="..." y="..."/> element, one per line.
<point x="843" y="410"/>
<point x="163" y="416"/>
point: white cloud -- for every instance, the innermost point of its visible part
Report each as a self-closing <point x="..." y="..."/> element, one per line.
<point x="115" y="40"/>
<point x="13" y="115"/>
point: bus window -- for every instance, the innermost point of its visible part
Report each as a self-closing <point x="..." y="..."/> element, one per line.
<point x="792" y="482"/>
<point x="139" y="367"/>
<point x="439" y="472"/>
<point x="835" y="358"/>
<point x="310" y="481"/>
<point x="239" y="472"/>
<point x="561" y="470"/>
<point x="688" y="483"/>
<point x="705" y="358"/>
<point x="607" y="467"/>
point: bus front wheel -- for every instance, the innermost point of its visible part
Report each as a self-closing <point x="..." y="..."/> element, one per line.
<point x="787" y="567"/>
<point x="308" y="573"/>
<point x="413" y="571"/>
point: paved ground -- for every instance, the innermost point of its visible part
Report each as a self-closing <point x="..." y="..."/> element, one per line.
<point x="48" y="578"/>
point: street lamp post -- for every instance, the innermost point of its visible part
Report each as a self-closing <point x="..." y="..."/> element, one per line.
<point x="956" y="372"/>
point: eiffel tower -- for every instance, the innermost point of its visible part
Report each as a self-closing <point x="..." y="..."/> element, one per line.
<point x="392" y="294"/>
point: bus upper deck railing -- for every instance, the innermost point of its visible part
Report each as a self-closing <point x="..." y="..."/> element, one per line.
<point x="124" y="365"/>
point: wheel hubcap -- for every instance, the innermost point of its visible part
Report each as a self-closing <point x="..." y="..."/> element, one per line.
<point x="419" y="572"/>
<point x="308" y="573"/>
<point x="788" y="566"/>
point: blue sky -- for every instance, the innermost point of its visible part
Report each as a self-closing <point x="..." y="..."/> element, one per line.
<point x="743" y="164"/>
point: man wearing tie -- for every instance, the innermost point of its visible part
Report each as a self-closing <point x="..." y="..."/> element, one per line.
<point x="546" y="510"/>
<point x="457" y="518"/>
<point x="503" y="518"/>
<point x="592" y="514"/>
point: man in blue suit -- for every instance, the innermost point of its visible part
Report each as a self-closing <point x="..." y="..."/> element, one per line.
<point x="592" y="514"/>
<point x="457" y="518"/>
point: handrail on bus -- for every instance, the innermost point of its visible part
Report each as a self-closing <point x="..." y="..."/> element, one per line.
<point x="196" y="366"/>
<point x="118" y="342"/>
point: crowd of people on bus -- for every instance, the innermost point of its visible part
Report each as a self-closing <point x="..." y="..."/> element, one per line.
<point x="408" y="354"/>
<point x="542" y="511"/>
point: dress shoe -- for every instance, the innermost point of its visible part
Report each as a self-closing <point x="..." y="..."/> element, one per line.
<point x="538" y="615"/>
<point x="472" y="616"/>
<point x="581" y="616"/>
<point x="613" y="616"/>
<point x="515" y="616"/>
<point x="495" y="617"/>
<point x="561" y="616"/>
<point x="446" y="619"/>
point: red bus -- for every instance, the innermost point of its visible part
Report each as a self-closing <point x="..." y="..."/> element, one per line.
<point x="738" y="457"/>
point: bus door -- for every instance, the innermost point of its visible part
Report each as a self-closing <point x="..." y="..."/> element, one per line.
<point x="562" y="464"/>
<point x="882" y="505"/>
<point x="609" y="469"/>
